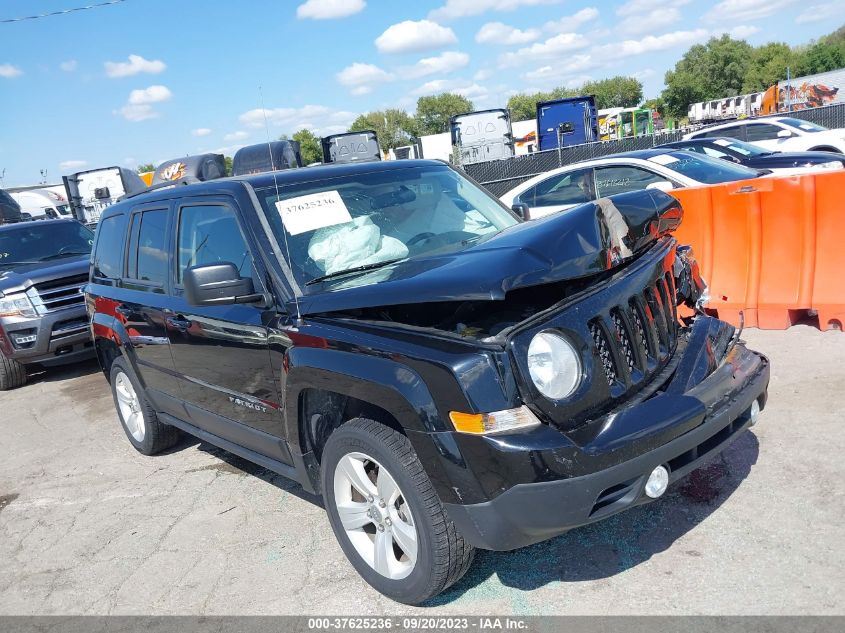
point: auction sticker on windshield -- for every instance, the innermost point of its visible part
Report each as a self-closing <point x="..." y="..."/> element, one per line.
<point x="312" y="212"/>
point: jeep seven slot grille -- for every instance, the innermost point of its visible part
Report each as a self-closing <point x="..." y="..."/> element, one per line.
<point x="639" y="335"/>
<point x="58" y="294"/>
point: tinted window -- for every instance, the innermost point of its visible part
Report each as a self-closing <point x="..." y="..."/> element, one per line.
<point x="734" y="131"/>
<point x="622" y="178"/>
<point x="147" y="254"/>
<point x="703" y="169"/>
<point x="211" y="234"/>
<point x="574" y="187"/>
<point x="108" y="254"/>
<point x="806" y="126"/>
<point x="43" y="241"/>
<point x="762" y="132"/>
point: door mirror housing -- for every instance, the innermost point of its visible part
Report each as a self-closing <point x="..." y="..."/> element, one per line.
<point x="218" y="284"/>
<point x="784" y="134"/>
<point x="661" y="185"/>
<point x="521" y="209"/>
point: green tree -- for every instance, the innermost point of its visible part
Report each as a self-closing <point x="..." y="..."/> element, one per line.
<point x="434" y="112"/>
<point x="713" y="70"/>
<point x="524" y="106"/>
<point x="614" y="92"/>
<point x="228" y="161"/>
<point x="309" y="146"/>
<point x="394" y="127"/>
<point x="820" y="57"/>
<point x="655" y="104"/>
<point x="145" y="167"/>
<point x="768" y="66"/>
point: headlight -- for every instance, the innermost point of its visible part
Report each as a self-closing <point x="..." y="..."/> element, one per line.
<point x="16" y="306"/>
<point x="831" y="164"/>
<point x="554" y="365"/>
<point x="496" y="422"/>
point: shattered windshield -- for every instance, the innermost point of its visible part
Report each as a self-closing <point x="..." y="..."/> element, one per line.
<point x="342" y="225"/>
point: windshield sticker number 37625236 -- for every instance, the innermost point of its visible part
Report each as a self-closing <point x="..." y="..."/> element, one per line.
<point x="313" y="211"/>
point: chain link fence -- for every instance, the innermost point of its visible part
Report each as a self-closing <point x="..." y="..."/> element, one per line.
<point x="500" y="176"/>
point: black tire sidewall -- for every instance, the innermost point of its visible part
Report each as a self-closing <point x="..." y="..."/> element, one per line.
<point x="145" y="446"/>
<point x="416" y="586"/>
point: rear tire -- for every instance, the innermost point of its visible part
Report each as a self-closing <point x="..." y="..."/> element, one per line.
<point x="366" y="454"/>
<point x="12" y="373"/>
<point x="137" y="417"/>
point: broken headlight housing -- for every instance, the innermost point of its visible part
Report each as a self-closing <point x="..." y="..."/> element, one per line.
<point x="690" y="288"/>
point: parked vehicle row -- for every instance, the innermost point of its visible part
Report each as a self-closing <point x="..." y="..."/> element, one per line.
<point x="778" y="134"/>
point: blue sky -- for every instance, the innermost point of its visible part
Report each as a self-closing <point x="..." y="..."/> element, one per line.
<point x="149" y="80"/>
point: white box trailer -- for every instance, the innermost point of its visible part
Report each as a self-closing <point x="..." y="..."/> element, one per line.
<point x="42" y="204"/>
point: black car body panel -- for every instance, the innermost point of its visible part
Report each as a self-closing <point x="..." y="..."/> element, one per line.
<point x="771" y="160"/>
<point x="272" y="379"/>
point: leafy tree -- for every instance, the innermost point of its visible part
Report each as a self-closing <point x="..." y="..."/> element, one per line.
<point x="394" y="127"/>
<point x="655" y="104"/>
<point x="145" y="167"/>
<point x="713" y="70"/>
<point x="614" y="92"/>
<point x="524" y="106"/>
<point x="819" y="57"/>
<point x="434" y="112"/>
<point x="768" y="66"/>
<point x="309" y="146"/>
<point x="228" y="161"/>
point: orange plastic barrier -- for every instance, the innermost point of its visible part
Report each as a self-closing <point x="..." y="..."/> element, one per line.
<point x="773" y="248"/>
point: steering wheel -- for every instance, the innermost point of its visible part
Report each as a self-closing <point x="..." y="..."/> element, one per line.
<point x="419" y="237"/>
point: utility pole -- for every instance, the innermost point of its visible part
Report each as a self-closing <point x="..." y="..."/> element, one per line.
<point x="43" y="177"/>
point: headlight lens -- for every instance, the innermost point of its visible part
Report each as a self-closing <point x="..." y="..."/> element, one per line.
<point x="831" y="164"/>
<point x="496" y="422"/>
<point x="554" y="365"/>
<point x="16" y="305"/>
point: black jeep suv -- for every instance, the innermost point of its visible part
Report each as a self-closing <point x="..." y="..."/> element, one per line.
<point x="444" y="374"/>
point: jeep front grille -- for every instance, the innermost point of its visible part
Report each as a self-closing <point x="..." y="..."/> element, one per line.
<point x="637" y="337"/>
<point x="58" y="294"/>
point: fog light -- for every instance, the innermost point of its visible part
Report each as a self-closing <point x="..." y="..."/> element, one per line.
<point x="754" y="412"/>
<point x="657" y="482"/>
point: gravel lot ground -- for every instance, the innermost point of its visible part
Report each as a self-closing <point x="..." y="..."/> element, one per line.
<point x="88" y="526"/>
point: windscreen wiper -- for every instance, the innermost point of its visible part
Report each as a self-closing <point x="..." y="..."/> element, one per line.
<point x="357" y="269"/>
<point x="67" y="254"/>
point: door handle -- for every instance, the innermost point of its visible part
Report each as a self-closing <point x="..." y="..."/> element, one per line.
<point x="179" y="323"/>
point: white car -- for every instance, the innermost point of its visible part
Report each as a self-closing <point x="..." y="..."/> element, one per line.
<point x="660" y="168"/>
<point x="779" y="134"/>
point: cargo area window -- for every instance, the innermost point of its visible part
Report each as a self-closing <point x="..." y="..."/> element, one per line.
<point x="108" y="254"/>
<point x="147" y="257"/>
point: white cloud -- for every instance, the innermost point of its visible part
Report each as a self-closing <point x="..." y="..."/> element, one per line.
<point x="7" y="71"/>
<point x="728" y="11"/>
<point x="314" y="117"/>
<point x="72" y="165"/>
<point x="360" y="78"/>
<point x="415" y="36"/>
<point x="137" y="113"/>
<point x="557" y="72"/>
<point x="463" y="8"/>
<point x="445" y="62"/>
<point x="329" y="9"/>
<point x="742" y="31"/>
<point x="240" y="135"/>
<point x="504" y="35"/>
<point x="651" y="43"/>
<point x="636" y="8"/>
<point x="652" y="21"/>
<point x="552" y="48"/>
<point x="69" y="66"/>
<point x="570" y="22"/>
<point x="134" y="66"/>
<point x="153" y="94"/>
<point x="483" y="74"/>
<point x="820" y="12"/>
<point x="201" y="131"/>
<point x="458" y="86"/>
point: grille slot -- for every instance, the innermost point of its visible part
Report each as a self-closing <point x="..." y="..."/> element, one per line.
<point x="626" y="345"/>
<point x="604" y="351"/>
<point x="58" y="294"/>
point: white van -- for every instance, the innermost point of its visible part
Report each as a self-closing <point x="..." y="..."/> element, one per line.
<point x="42" y="204"/>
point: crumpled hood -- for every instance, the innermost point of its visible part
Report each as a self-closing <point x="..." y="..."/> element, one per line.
<point x="585" y="240"/>
<point x="27" y="275"/>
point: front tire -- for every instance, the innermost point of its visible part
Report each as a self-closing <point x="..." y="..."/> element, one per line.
<point x="387" y="516"/>
<point x="137" y="417"/>
<point x="12" y="373"/>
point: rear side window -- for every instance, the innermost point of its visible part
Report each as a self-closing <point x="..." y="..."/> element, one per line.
<point x="733" y="131"/>
<point x="147" y="257"/>
<point x="762" y="132"/>
<point x="623" y="178"/>
<point x="574" y="187"/>
<point x="108" y="251"/>
<point x="210" y="234"/>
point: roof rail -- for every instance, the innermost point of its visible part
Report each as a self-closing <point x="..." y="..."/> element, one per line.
<point x="161" y="185"/>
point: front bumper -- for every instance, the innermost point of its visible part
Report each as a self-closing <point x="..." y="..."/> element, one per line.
<point x="527" y="513"/>
<point x="56" y="338"/>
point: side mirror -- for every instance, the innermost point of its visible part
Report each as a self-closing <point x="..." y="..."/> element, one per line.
<point x="661" y="185"/>
<point x="784" y="134"/>
<point x="218" y="284"/>
<point x="521" y="209"/>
